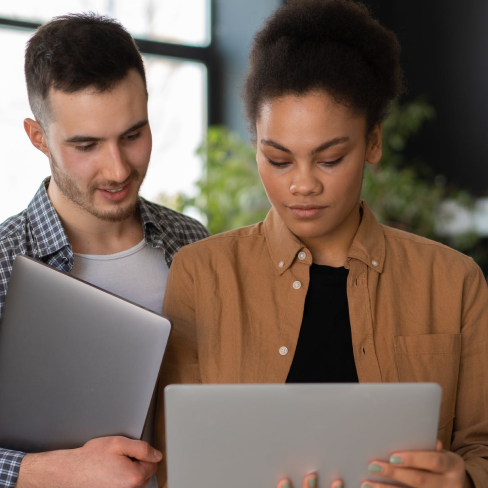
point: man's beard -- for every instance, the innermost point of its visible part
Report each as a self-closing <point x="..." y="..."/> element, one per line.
<point x="85" y="200"/>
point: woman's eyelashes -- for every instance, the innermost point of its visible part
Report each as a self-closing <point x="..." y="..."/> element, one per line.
<point x="328" y="164"/>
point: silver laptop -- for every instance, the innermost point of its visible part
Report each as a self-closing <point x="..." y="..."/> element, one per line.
<point x="76" y="362"/>
<point x="254" y="435"/>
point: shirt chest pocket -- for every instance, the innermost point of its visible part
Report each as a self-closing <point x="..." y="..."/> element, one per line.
<point x="432" y="358"/>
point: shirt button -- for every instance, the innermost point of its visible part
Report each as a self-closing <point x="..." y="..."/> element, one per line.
<point x="374" y="263"/>
<point x="283" y="350"/>
<point x="281" y="264"/>
<point x="302" y="255"/>
<point x="297" y="285"/>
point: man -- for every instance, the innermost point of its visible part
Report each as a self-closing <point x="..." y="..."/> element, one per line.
<point x="87" y="90"/>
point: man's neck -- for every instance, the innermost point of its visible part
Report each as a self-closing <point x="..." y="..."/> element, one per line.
<point x="89" y="234"/>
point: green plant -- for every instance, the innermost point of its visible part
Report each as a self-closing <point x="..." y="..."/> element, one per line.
<point x="230" y="193"/>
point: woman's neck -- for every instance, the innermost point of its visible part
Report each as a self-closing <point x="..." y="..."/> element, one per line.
<point x="332" y="249"/>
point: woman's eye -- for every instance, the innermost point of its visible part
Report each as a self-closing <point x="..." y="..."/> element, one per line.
<point x="85" y="148"/>
<point x="278" y="165"/>
<point x="329" y="164"/>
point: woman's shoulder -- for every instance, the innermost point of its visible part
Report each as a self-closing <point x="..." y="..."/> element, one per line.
<point x="425" y="251"/>
<point x="236" y="243"/>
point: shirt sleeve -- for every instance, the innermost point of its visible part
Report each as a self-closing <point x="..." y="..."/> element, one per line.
<point x="9" y="467"/>
<point x="181" y="362"/>
<point x="470" y="435"/>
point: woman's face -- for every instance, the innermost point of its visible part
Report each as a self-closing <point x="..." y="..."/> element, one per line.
<point x="311" y="154"/>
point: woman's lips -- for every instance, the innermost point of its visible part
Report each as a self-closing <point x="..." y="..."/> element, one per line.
<point x="306" y="211"/>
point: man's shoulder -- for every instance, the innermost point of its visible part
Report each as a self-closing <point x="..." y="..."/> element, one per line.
<point x="186" y="228"/>
<point x="13" y="230"/>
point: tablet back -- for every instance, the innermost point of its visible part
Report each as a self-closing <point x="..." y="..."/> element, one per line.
<point x="254" y="435"/>
<point x="76" y="362"/>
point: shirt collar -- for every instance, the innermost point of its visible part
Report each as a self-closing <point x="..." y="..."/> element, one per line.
<point x="45" y="224"/>
<point x="49" y="232"/>
<point x="284" y="247"/>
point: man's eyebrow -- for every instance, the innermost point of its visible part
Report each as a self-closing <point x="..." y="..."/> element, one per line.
<point x="87" y="138"/>
<point x="138" y="125"/>
<point x="322" y="147"/>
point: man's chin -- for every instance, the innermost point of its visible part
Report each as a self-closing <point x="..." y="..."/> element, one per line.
<point x="117" y="214"/>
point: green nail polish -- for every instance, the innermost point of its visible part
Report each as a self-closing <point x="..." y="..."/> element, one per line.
<point x="374" y="468"/>
<point x="395" y="460"/>
<point x="366" y="486"/>
<point x="312" y="482"/>
<point x="340" y="486"/>
<point x="286" y="484"/>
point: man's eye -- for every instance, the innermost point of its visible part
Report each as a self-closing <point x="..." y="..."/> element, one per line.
<point x="85" y="148"/>
<point x="133" y="137"/>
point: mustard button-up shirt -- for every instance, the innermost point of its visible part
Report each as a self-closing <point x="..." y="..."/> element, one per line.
<point x="418" y="310"/>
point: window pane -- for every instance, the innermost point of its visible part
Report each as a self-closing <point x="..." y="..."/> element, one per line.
<point x="178" y="116"/>
<point x="177" y="113"/>
<point x="181" y="21"/>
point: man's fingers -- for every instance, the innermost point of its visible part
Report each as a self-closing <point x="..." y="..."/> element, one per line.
<point x="148" y="469"/>
<point x="139" y="450"/>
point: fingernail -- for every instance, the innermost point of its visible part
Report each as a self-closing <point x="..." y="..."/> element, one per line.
<point x="366" y="486"/>
<point x="157" y="454"/>
<point x="339" y="486"/>
<point x="395" y="460"/>
<point x="374" y="468"/>
<point x="312" y="482"/>
<point x="286" y="484"/>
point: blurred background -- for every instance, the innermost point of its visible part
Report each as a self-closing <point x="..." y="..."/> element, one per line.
<point x="433" y="179"/>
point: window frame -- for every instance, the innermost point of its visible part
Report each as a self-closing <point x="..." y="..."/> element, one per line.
<point x="178" y="52"/>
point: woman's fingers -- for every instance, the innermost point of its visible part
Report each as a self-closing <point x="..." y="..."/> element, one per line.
<point x="337" y="484"/>
<point x="432" y="461"/>
<point x="284" y="483"/>
<point x="420" y="469"/>
<point x="310" y="481"/>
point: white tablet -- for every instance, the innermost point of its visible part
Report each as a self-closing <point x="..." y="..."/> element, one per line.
<point x="251" y="436"/>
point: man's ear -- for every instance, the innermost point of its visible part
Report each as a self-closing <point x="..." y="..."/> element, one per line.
<point x="36" y="135"/>
<point x="374" y="148"/>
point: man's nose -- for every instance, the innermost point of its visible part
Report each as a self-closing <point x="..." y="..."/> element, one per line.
<point x="116" y="167"/>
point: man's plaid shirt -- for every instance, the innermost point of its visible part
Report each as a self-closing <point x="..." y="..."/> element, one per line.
<point x="37" y="232"/>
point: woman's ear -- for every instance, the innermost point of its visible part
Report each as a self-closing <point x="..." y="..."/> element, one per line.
<point x="374" y="147"/>
<point x="36" y="135"/>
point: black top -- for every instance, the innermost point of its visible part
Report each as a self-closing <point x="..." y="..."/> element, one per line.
<point x="324" y="351"/>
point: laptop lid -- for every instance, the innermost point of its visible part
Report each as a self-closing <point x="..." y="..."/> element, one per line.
<point x="255" y="435"/>
<point x="76" y="362"/>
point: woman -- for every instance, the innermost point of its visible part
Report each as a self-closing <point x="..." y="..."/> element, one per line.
<point x="319" y="291"/>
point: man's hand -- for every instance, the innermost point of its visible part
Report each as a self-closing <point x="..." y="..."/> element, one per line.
<point x="417" y="469"/>
<point x="115" y="462"/>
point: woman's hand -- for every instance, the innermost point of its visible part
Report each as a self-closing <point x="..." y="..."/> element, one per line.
<point x="417" y="469"/>
<point x="310" y="481"/>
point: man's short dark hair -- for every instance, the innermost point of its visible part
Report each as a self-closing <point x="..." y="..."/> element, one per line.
<point x="76" y="51"/>
<point x="330" y="45"/>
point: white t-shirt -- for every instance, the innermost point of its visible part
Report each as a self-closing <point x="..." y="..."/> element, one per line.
<point x="138" y="274"/>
